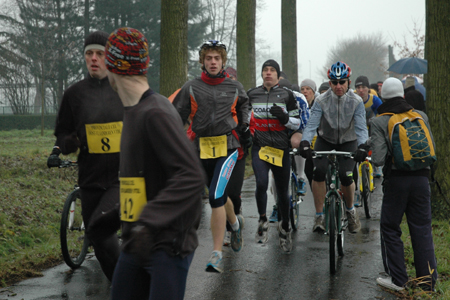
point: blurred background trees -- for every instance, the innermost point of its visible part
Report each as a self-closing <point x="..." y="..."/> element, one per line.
<point x="366" y="55"/>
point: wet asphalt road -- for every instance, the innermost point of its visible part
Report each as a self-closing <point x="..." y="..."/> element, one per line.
<point x="256" y="272"/>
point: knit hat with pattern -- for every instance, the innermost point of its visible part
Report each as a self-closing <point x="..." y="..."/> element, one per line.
<point x="127" y="52"/>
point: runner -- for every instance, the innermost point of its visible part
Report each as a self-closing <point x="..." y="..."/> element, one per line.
<point x="220" y="114"/>
<point x="89" y="110"/>
<point x="160" y="180"/>
<point x="275" y="112"/>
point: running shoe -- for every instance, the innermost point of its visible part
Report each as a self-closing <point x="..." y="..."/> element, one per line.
<point x="357" y="200"/>
<point x="274" y="216"/>
<point x="237" y="239"/>
<point x="377" y="172"/>
<point x="354" y="225"/>
<point x="215" y="264"/>
<point x="285" y="239"/>
<point x="301" y="187"/>
<point x="387" y="283"/>
<point x="319" y="224"/>
<point x="227" y="238"/>
<point x="261" y="235"/>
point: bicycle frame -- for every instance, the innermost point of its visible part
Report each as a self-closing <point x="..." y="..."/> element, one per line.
<point x="333" y="186"/>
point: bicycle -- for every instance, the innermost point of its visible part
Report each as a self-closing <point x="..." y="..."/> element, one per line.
<point x="74" y="242"/>
<point x="335" y="217"/>
<point x="294" y="198"/>
<point x="366" y="186"/>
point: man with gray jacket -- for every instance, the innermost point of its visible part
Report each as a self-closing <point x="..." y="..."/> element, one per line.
<point x="339" y="118"/>
<point x="405" y="192"/>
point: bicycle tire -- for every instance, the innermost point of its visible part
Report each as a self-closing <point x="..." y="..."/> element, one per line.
<point x="332" y="232"/>
<point x="74" y="243"/>
<point x="340" y="235"/>
<point x="366" y="194"/>
<point x="293" y="205"/>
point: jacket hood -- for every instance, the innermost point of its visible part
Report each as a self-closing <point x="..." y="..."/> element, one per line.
<point x="395" y="105"/>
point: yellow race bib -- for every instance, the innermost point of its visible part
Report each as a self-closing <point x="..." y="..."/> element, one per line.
<point x="213" y="147"/>
<point x="271" y="155"/>
<point x="104" y="138"/>
<point x="133" y="198"/>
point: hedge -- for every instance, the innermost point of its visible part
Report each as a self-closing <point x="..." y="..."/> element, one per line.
<point x="9" y="122"/>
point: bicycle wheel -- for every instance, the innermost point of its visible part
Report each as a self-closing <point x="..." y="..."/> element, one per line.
<point x="293" y="206"/>
<point x="332" y="232"/>
<point x="340" y="235"/>
<point x="366" y="194"/>
<point x="74" y="243"/>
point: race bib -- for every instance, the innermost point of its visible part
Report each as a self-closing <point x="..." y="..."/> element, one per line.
<point x="133" y="198"/>
<point x="104" y="138"/>
<point x="271" y="155"/>
<point x="213" y="147"/>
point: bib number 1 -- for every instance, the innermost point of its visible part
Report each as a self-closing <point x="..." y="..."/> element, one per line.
<point x="213" y="147"/>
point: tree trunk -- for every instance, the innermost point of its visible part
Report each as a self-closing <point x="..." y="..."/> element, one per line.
<point x="289" y="39"/>
<point x="174" y="45"/>
<point x="437" y="46"/>
<point x="86" y="18"/>
<point x="245" y="42"/>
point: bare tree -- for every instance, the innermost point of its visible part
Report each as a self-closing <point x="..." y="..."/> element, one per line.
<point x="418" y="47"/>
<point x="17" y="87"/>
<point x="437" y="43"/>
<point x="366" y="55"/>
<point x="222" y="15"/>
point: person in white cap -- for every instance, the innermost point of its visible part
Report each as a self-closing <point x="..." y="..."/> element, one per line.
<point x="405" y="193"/>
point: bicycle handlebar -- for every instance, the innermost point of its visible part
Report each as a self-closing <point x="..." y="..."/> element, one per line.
<point x="332" y="152"/>
<point x="68" y="163"/>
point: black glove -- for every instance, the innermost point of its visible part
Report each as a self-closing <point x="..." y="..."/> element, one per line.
<point x="361" y="153"/>
<point x="141" y="242"/>
<point x="53" y="160"/>
<point x="278" y="112"/>
<point x="245" y="137"/>
<point x="305" y="149"/>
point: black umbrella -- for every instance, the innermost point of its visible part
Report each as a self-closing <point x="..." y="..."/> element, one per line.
<point x="410" y="65"/>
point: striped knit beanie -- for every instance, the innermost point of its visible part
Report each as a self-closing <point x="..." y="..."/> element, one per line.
<point x="127" y="52"/>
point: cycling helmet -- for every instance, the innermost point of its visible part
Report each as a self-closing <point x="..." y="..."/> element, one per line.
<point x="211" y="44"/>
<point x="339" y="70"/>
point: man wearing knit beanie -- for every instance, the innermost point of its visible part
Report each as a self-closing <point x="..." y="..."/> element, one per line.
<point x="160" y="180"/>
<point x="275" y="112"/>
<point x="405" y="192"/>
<point x="271" y="63"/>
<point x="89" y="110"/>
<point x="94" y="51"/>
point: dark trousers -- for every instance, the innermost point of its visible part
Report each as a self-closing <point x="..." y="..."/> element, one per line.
<point x="99" y="204"/>
<point x="161" y="277"/>
<point x="409" y="195"/>
<point x="281" y="176"/>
